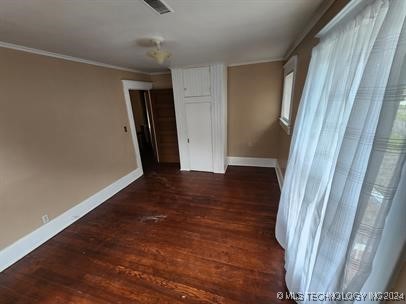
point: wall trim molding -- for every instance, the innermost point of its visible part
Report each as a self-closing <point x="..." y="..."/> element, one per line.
<point x="31" y="241"/>
<point x="252" y="161"/>
<point x="177" y="79"/>
<point x="321" y="10"/>
<point x="350" y="10"/>
<point x="218" y="80"/>
<point x="279" y="175"/>
<point x="159" y="73"/>
<point x="127" y="86"/>
<point x="66" y="57"/>
<point x="255" y="62"/>
<point x="26" y="49"/>
<point x="137" y="85"/>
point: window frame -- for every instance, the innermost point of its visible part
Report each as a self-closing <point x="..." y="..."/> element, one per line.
<point x="288" y="68"/>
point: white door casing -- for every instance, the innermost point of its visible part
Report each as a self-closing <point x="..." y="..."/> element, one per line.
<point x="127" y="86"/>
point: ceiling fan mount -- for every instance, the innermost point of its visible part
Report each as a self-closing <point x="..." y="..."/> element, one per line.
<point x="158" y="54"/>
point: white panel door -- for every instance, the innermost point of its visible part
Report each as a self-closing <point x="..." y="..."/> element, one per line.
<point x="198" y="120"/>
<point x="196" y="82"/>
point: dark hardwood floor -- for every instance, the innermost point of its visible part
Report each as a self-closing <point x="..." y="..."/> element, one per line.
<point x="170" y="237"/>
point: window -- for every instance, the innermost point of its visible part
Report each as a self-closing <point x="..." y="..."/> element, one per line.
<point x="288" y="85"/>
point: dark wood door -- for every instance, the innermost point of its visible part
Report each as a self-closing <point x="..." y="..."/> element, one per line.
<point x="163" y="112"/>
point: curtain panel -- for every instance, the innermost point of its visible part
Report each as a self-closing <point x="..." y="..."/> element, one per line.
<point x="348" y="150"/>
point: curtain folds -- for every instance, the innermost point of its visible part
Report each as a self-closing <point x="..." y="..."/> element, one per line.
<point x="347" y="152"/>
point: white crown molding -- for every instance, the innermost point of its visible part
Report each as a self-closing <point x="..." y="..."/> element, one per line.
<point x="159" y="73"/>
<point x="66" y="57"/>
<point x="255" y="62"/>
<point x="110" y="66"/>
<point x="352" y="8"/>
<point x="31" y="241"/>
<point x="321" y="10"/>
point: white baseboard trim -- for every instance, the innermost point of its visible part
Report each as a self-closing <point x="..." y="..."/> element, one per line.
<point x="28" y="243"/>
<point x="224" y="168"/>
<point x="279" y="175"/>
<point x="252" y="161"/>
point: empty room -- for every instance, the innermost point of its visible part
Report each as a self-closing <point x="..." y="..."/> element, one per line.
<point x="202" y="151"/>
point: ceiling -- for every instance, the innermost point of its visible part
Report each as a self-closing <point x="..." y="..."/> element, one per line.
<point x="197" y="32"/>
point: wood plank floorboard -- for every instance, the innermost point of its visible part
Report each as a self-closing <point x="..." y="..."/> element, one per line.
<point x="169" y="237"/>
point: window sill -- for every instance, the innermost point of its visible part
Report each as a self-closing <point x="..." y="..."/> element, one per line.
<point x="285" y="126"/>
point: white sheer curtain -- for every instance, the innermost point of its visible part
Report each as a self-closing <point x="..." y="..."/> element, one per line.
<point x="347" y="152"/>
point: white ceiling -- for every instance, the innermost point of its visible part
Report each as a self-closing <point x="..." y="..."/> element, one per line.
<point x="199" y="31"/>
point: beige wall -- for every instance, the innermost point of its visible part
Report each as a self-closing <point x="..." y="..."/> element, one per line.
<point x="254" y="99"/>
<point x="161" y="81"/>
<point x="303" y="51"/>
<point x="61" y="135"/>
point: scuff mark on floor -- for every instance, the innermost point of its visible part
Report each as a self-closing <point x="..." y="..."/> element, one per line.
<point x="152" y="218"/>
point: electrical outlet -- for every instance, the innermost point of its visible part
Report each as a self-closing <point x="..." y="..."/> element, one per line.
<point x="45" y="219"/>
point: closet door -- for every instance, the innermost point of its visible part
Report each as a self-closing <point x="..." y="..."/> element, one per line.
<point x="196" y="82"/>
<point x="201" y="116"/>
<point x="199" y="132"/>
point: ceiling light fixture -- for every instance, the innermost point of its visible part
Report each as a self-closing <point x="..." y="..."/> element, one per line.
<point x="158" y="54"/>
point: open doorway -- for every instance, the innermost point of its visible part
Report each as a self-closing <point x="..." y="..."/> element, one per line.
<point x="144" y="127"/>
<point x="153" y="125"/>
<point x="164" y="126"/>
